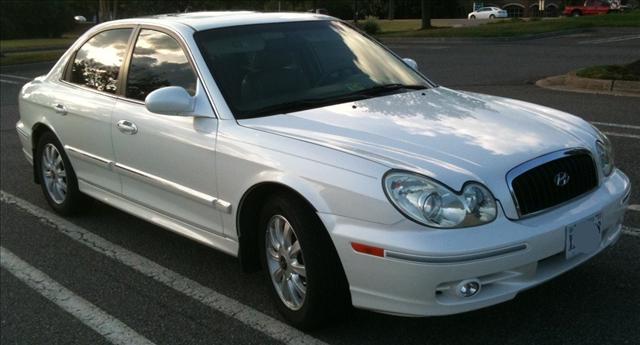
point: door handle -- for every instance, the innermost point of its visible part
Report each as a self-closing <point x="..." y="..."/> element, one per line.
<point x="127" y="127"/>
<point x="60" y="109"/>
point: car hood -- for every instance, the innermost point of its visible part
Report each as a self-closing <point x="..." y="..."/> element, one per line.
<point x="448" y="135"/>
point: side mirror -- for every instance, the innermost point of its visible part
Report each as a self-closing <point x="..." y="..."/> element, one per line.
<point x="170" y="100"/>
<point x="411" y="62"/>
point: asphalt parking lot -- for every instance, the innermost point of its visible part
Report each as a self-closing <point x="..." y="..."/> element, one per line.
<point x="134" y="282"/>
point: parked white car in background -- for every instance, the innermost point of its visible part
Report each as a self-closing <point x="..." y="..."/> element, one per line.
<point x="311" y="151"/>
<point x="488" y="13"/>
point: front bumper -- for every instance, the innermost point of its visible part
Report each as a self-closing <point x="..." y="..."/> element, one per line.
<point x="422" y="266"/>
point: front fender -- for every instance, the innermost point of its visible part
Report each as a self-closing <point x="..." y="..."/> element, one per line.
<point x="331" y="181"/>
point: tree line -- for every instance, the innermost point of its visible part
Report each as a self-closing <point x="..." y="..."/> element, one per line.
<point x="52" y="18"/>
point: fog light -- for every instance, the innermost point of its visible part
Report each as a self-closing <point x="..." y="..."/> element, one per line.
<point x="468" y="288"/>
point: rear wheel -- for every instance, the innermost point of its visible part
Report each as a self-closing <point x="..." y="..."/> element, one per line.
<point x="56" y="176"/>
<point x="303" y="269"/>
<point x="472" y="17"/>
<point x="576" y="13"/>
<point x="492" y="17"/>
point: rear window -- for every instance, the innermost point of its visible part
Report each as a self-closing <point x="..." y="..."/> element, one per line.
<point x="97" y="63"/>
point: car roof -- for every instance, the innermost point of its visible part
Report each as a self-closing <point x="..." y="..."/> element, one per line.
<point x="209" y="20"/>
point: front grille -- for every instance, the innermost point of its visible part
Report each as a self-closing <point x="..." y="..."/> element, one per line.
<point x="536" y="189"/>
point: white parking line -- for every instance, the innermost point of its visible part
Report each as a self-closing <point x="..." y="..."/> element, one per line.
<point x="15" y="77"/>
<point x="11" y="82"/>
<point x="104" y="324"/>
<point x="619" y="125"/>
<point x="611" y="39"/>
<point x="622" y="135"/>
<point x="228" y="306"/>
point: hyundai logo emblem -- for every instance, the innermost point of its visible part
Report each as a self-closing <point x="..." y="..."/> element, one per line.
<point x="561" y="179"/>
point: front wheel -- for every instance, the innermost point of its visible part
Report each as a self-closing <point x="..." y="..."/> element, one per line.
<point x="472" y="17"/>
<point x="303" y="269"/>
<point x="576" y="13"/>
<point x="56" y="176"/>
<point x="492" y="17"/>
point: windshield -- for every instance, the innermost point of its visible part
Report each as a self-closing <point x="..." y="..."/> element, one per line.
<point x="268" y="69"/>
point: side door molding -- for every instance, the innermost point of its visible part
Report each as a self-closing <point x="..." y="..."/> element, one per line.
<point x="173" y="187"/>
<point x="170" y="186"/>
<point x="89" y="157"/>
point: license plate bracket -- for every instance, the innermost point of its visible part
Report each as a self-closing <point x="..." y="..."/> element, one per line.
<point x="583" y="237"/>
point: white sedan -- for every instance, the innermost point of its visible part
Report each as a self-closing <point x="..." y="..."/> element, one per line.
<point x="488" y="13"/>
<point x="312" y="152"/>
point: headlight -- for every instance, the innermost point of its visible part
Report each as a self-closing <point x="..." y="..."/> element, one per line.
<point x="433" y="204"/>
<point x="605" y="153"/>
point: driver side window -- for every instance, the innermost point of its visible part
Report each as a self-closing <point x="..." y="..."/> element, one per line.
<point x="158" y="61"/>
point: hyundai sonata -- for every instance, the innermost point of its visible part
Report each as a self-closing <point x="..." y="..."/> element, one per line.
<point x="308" y="149"/>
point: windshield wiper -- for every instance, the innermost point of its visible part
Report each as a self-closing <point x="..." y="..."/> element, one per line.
<point x="303" y="104"/>
<point x="289" y="107"/>
<point x="379" y="89"/>
<point x="375" y="91"/>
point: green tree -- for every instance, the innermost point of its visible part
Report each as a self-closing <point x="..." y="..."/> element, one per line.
<point x="35" y="19"/>
<point x="392" y="9"/>
<point x="425" y="7"/>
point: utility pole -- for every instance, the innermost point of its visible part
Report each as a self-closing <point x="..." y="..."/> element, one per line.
<point x="426" y="14"/>
<point x="355" y="11"/>
<point x="392" y="9"/>
<point x="107" y="10"/>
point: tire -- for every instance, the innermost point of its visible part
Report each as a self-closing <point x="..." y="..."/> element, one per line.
<point x="472" y="17"/>
<point x="58" y="180"/>
<point x="325" y="296"/>
<point x="576" y="13"/>
<point x="492" y="17"/>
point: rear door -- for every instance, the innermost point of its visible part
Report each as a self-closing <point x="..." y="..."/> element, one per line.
<point x="167" y="163"/>
<point x="83" y="101"/>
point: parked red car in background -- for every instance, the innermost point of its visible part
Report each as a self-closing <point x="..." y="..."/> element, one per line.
<point x="590" y="7"/>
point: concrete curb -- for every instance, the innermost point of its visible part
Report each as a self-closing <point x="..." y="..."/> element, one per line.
<point x="571" y="82"/>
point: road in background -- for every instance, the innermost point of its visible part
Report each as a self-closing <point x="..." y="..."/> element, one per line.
<point x="594" y="304"/>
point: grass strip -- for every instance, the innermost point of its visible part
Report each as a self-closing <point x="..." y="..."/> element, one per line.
<point x="612" y="72"/>
<point x="512" y="28"/>
<point x="7" y="46"/>
<point x="30" y="57"/>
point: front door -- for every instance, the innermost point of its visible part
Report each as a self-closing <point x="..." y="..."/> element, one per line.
<point x="167" y="163"/>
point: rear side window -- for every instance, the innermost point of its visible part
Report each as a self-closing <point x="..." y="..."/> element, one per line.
<point x="158" y="61"/>
<point x="97" y="63"/>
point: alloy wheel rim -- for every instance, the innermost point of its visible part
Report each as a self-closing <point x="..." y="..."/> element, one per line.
<point x="54" y="173"/>
<point x="285" y="263"/>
